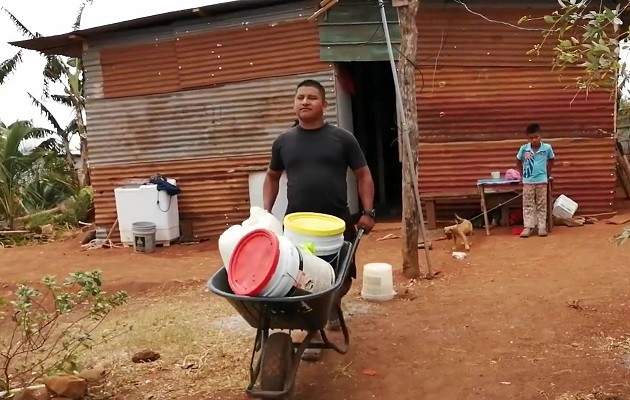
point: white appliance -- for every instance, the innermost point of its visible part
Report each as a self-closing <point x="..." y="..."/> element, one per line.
<point x="257" y="179"/>
<point x="136" y="203"/>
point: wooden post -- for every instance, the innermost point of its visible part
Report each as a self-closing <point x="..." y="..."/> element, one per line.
<point x="406" y="78"/>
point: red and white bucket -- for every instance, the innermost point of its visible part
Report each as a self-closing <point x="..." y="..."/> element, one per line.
<point x="264" y="264"/>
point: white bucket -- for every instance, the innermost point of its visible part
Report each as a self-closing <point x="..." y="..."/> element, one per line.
<point x="564" y="207"/>
<point x="495" y="175"/>
<point x="378" y="282"/>
<point x="322" y="245"/>
<point x="287" y="271"/>
<point x="264" y="264"/>
<point x="143" y="236"/>
<point x="317" y="275"/>
<point x="228" y="240"/>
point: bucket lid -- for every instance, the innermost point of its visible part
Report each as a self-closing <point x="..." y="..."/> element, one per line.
<point x="316" y="224"/>
<point x="253" y="262"/>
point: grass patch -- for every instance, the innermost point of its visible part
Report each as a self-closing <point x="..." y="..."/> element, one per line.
<point x="199" y="352"/>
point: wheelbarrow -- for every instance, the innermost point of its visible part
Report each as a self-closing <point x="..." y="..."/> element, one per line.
<point x="275" y="358"/>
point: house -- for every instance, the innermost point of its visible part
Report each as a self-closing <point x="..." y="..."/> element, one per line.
<point x="199" y="95"/>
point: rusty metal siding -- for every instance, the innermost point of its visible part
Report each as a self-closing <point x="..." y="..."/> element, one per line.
<point x="239" y="118"/>
<point x="248" y="52"/>
<point x="270" y="15"/>
<point x="475" y="81"/>
<point x="93" y="86"/>
<point x="584" y="169"/>
<point x="215" y="191"/>
<point x="140" y="69"/>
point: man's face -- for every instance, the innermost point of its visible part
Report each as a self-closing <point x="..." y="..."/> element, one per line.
<point x="534" y="138"/>
<point x="308" y="104"/>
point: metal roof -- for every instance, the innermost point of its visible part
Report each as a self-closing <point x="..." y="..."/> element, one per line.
<point x="71" y="43"/>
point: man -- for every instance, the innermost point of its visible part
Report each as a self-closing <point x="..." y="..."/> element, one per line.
<point x="316" y="157"/>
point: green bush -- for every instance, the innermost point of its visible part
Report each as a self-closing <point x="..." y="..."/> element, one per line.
<point x="48" y="328"/>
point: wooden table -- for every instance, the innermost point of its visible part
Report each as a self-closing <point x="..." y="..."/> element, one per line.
<point x="506" y="186"/>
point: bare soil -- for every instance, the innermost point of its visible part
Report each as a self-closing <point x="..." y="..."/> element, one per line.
<point x="536" y="318"/>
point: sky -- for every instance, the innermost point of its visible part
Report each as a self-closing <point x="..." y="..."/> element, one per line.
<point x="52" y="18"/>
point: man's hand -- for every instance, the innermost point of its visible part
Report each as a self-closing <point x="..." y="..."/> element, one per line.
<point x="366" y="223"/>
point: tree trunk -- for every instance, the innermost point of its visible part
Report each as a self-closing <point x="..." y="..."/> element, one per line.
<point x="87" y="181"/>
<point x="70" y="161"/>
<point x="406" y="79"/>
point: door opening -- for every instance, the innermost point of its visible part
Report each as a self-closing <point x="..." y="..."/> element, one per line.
<point x="370" y="88"/>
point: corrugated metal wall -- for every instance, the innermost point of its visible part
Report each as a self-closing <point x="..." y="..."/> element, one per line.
<point x="211" y="58"/>
<point x="584" y="168"/>
<point x="207" y="139"/>
<point x="238" y="118"/>
<point x="248" y="52"/>
<point x="201" y="104"/>
<point x="477" y="90"/>
<point x="353" y="31"/>
<point x="214" y="194"/>
<point x="140" y="69"/>
<point x="475" y="81"/>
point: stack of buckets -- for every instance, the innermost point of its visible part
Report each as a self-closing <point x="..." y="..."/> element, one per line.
<point x="262" y="260"/>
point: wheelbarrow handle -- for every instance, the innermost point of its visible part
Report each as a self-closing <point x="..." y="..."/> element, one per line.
<point x="357" y="239"/>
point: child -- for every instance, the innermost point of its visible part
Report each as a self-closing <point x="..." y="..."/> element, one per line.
<point x="535" y="160"/>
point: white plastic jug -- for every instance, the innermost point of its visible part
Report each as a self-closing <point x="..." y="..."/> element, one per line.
<point x="229" y="239"/>
<point x="261" y="219"/>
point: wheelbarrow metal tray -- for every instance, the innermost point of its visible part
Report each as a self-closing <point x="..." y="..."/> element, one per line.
<point x="299" y="311"/>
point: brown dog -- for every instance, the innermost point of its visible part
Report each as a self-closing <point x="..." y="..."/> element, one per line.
<point x="461" y="229"/>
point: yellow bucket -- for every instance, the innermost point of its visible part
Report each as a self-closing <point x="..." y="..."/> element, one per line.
<point x="314" y="224"/>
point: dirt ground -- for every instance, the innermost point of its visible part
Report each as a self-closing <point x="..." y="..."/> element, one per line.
<point x="537" y="318"/>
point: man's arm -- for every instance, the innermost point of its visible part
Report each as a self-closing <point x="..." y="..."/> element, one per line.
<point x="271" y="186"/>
<point x="366" y="187"/>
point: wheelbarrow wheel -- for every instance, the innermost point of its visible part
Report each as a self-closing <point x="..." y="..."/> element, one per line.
<point x="276" y="361"/>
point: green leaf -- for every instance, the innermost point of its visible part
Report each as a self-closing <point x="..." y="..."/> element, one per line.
<point x="549" y="19"/>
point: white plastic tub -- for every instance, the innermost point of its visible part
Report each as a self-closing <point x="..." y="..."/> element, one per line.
<point x="564" y="207"/>
<point x="378" y="282"/>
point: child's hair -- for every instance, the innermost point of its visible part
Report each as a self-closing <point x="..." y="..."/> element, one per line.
<point x="532" y="128"/>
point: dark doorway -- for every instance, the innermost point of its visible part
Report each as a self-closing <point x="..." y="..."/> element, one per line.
<point x="373" y="100"/>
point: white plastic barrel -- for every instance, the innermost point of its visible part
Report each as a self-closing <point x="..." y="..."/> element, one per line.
<point x="564" y="207"/>
<point x="378" y="282"/>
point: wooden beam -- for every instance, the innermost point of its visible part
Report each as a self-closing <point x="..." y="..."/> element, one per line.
<point x="322" y="10"/>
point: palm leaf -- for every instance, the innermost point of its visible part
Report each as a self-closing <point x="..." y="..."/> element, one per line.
<point x="54" y="70"/>
<point x="62" y="99"/>
<point x="46" y="113"/>
<point x="50" y="145"/>
<point x="20" y="26"/>
<point x="77" y="22"/>
<point x="8" y="66"/>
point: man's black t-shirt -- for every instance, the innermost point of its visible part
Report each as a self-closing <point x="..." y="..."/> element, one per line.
<point x="316" y="162"/>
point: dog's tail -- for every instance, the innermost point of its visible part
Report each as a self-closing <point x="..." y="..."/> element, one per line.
<point x="458" y="219"/>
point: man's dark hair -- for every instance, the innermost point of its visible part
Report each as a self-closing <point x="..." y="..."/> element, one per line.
<point x="314" y="84"/>
<point x="532" y="128"/>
